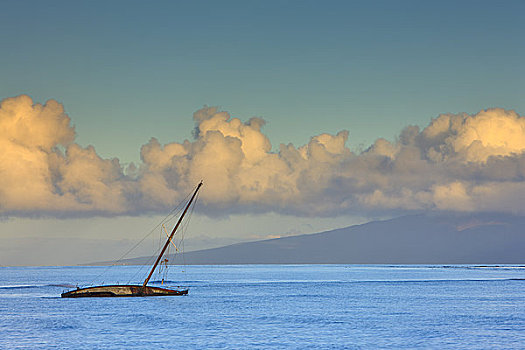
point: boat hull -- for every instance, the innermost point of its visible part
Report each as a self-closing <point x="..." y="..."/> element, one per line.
<point x="122" y="291"/>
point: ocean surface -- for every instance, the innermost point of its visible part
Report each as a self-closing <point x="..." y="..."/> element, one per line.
<point x="269" y="307"/>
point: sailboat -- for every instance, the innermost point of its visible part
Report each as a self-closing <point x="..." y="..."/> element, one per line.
<point x="136" y="290"/>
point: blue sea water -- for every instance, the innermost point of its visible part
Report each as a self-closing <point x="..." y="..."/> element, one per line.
<point x="270" y="307"/>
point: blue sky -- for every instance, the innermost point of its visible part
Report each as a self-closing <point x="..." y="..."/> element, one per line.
<point x="127" y="71"/>
<point x="130" y="70"/>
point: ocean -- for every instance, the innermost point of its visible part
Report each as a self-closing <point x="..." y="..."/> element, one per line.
<point x="269" y="307"/>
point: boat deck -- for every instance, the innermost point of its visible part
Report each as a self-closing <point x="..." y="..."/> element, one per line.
<point x="122" y="291"/>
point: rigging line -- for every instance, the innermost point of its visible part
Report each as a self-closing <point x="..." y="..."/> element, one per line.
<point x="185" y="226"/>
<point x="179" y="206"/>
<point x="157" y="251"/>
<point x="184" y="231"/>
<point x="163" y="267"/>
<point x="191" y="214"/>
<point x="168" y="235"/>
<point x="194" y="192"/>
<point x="166" y="218"/>
<point x="143" y="266"/>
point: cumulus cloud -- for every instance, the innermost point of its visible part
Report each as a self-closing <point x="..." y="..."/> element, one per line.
<point x="43" y="171"/>
<point x="458" y="162"/>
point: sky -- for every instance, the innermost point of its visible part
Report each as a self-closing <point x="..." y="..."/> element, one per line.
<point x="300" y="116"/>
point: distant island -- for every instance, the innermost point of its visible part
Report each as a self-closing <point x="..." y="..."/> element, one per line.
<point x="443" y="238"/>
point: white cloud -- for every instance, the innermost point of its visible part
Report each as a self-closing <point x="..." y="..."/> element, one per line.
<point x="43" y="171"/>
<point x="458" y="162"/>
<point x="475" y="138"/>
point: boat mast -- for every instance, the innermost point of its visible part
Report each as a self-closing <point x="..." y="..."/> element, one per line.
<point x="171" y="235"/>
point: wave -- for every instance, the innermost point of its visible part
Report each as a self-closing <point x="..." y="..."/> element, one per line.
<point x="165" y="281"/>
<point x="498" y="267"/>
<point x="28" y="286"/>
<point x="19" y="286"/>
<point x="441" y="280"/>
<point x="61" y="285"/>
<point x="321" y="282"/>
<point x="203" y="283"/>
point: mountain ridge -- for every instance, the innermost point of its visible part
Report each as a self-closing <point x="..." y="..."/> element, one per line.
<point x="485" y="238"/>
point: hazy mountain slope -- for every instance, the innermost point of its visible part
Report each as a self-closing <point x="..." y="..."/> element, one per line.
<point x="417" y="239"/>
